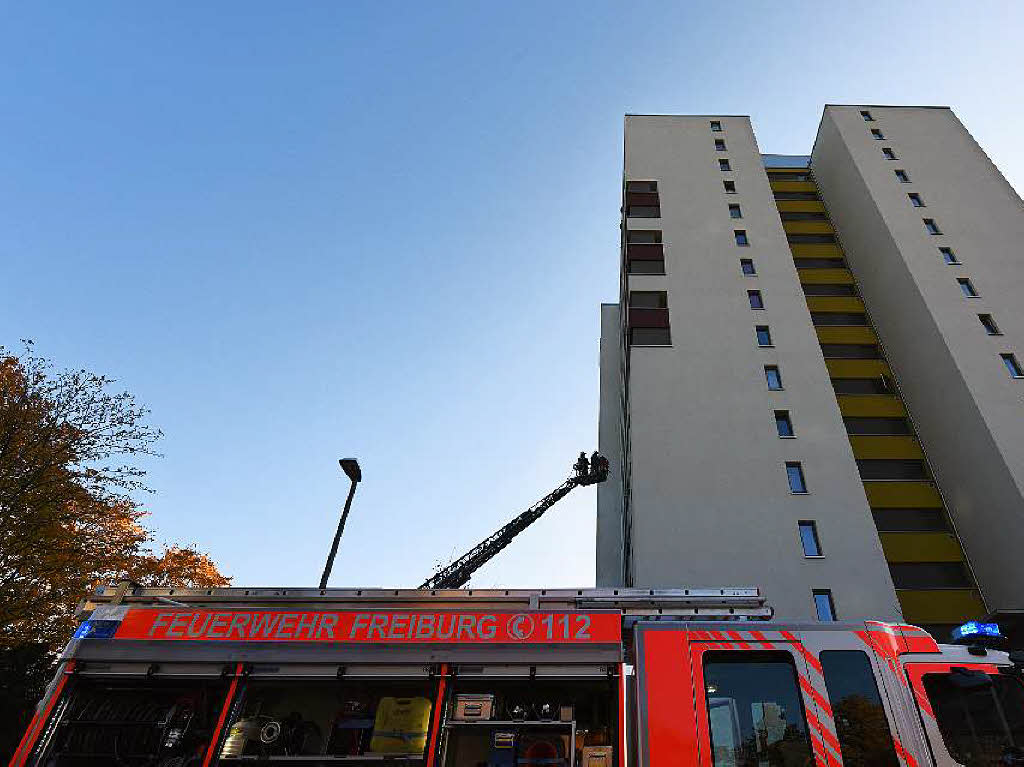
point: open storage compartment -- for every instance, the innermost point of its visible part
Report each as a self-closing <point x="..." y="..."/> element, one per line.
<point x="531" y="717"/>
<point x="133" y="722"/>
<point x="326" y="721"/>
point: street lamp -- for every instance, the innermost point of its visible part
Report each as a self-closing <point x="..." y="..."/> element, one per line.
<point x="351" y="468"/>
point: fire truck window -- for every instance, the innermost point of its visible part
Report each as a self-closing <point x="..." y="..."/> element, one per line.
<point x="375" y="719"/>
<point x="135" y="723"/>
<point x="755" y="713"/>
<point x="861" y="724"/>
<point x="981" y="722"/>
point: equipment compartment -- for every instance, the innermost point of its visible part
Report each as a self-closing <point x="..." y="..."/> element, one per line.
<point x="536" y="722"/>
<point x="356" y="720"/>
<point x="134" y="723"/>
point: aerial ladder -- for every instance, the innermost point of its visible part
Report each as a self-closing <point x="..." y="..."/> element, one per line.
<point x="457" y="574"/>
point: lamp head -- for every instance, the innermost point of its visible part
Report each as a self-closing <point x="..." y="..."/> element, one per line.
<point x="351" y="468"/>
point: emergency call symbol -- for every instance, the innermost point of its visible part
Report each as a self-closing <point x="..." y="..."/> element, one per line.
<point x="520" y="627"/>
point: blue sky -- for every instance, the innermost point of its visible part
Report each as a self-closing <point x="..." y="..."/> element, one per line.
<point x="299" y="231"/>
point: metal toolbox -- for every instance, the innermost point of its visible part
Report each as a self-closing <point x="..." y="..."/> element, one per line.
<point x="470" y="708"/>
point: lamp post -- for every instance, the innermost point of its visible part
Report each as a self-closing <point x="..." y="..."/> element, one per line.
<point x="351" y="468"/>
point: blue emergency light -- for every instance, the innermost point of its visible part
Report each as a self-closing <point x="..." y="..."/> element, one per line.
<point x="974" y="632"/>
<point x="96" y="629"/>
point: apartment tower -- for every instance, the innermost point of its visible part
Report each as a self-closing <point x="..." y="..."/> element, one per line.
<point x="812" y="381"/>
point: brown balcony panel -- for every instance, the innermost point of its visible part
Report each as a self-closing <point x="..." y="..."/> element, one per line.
<point x="648" y="318"/>
<point x="648" y="251"/>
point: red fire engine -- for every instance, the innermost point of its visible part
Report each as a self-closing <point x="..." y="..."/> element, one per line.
<point x="469" y="678"/>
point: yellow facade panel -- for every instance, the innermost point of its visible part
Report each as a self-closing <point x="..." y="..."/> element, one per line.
<point x="793" y="186"/>
<point x="844" y="334"/>
<point x="835" y="304"/>
<point x="871" y="406"/>
<point x="800" y="206"/>
<point x="902" y="495"/>
<point x="826" y="276"/>
<point x="808" y="227"/>
<point x="883" y="447"/>
<point x="940" y="605"/>
<point x="815" y="250"/>
<point x="921" y="547"/>
<point x="857" y="368"/>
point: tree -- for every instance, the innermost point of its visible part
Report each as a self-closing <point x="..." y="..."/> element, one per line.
<point x="70" y="474"/>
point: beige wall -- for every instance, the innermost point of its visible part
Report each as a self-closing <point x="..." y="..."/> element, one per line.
<point x="710" y="501"/>
<point x="609" y="444"/>
<point x="968" y="412"/>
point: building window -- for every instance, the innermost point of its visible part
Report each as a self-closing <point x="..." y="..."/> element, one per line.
<point x="644" y="187"/>
<point x="719" y="145"/>
<point x="824" y="607"/>
<point x="735" y="212"/>
<point x="875" y="425"/>
<point x="788" y="215"/>
<point x="814" y="289"/>
<point x="888" y="153"/>
<point x="650" y="337"/>
<point x="730" y="187"/>
<point x="929" y="575"/>
<point x="716" y="126"/>
<point x="886" y="469"/>
<point x="931" y="226"/>
<point x="877" y="385"/>
<point x="764" y="336"/>
<point x="909" y="520"/>
<point x="967" y="287"/>
<point x="1013" y="365"/>
<point x="819" y="263"/>
<point x="643" y="236"/>
<point x="915" y="200"/>
<point x="747" y="266"/>
<point x="648" y="299"/>
<point x="809" y="538"/>
<point x="773" y="377"/>
<point x="819" y="319"/>
<point x="850" y="352"/>
<point x="795" y="475"/>
<point x="989" y="324"/>
<point x="810" y="239"/>
<point x="803" y="196"/>
<point x="949" y="256"/>
<point x="876" y="134"/>
<point x="646" y="266"/>
<point x="867" y="117"/>
<point x="741" y="237"/>
<point x="902" y="177"/>
<point x="784" y="424"/>
<point x="723" y="165"/>
<point x="755" y="299"/>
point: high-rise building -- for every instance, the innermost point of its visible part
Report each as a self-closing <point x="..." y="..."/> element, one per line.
<point x="812" y="381"/>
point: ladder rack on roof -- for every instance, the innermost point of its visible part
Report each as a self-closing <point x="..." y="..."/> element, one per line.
<point x="732" y="603"/>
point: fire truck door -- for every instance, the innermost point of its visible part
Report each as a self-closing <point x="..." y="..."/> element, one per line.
<point x="759" y="700"/>
<point x="971" y="713"/>
<point x="728" y="698"/>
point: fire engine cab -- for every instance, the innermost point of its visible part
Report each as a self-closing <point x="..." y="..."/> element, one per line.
<point x="513" y="678"/>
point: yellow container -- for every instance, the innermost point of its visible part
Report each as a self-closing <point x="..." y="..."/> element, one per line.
<point x="401" y="726"/>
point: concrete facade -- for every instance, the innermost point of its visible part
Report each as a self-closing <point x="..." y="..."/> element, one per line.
<point x="707" y="501"/>
<point x="968" y="411"/>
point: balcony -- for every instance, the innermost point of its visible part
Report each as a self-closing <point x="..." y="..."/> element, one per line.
<point x="648" y="318"/>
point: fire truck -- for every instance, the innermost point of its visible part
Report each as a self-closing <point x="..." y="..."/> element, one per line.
<point x="513" y="678"/>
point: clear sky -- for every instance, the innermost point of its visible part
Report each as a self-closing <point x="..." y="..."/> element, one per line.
<point x="304" y="230"/>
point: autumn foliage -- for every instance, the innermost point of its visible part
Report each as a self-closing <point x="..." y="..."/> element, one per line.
<point x="71" y="454"/>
